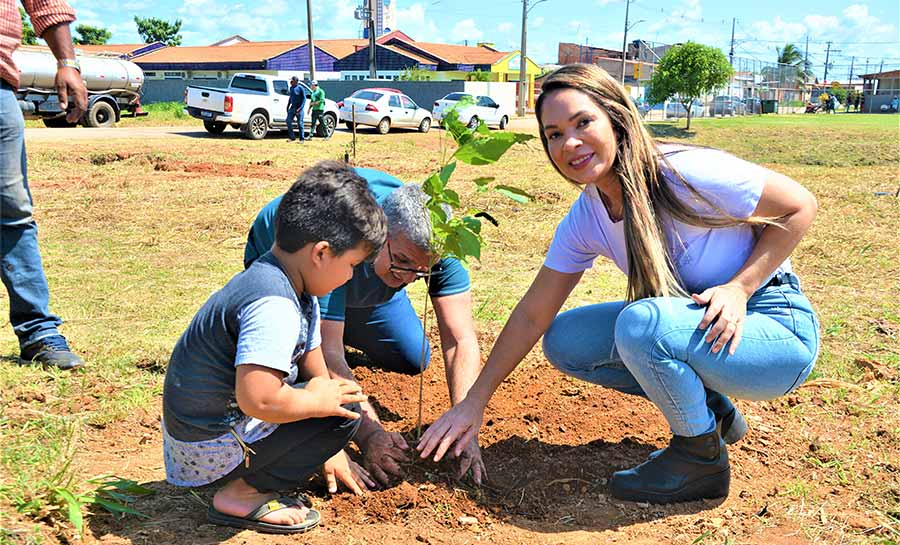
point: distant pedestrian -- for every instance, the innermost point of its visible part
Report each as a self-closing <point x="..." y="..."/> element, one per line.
<point x="857" y="102"/>
<point x="849" y="103"/>
<point x="318" y="108"/>
<point x="295" y="109"/>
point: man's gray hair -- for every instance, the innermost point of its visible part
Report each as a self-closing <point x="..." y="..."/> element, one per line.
<point x="405" y="211"/>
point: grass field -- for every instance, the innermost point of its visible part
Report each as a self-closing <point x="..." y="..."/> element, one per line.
<point x="135" y="235"/>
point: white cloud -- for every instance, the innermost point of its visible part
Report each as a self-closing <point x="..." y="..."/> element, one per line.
<point x="466" y="30"/>
<point x="504" y="27"/>
<point x="415" y="22"/>
<point x="602" y="3"/>
<point x="537" y="22"/>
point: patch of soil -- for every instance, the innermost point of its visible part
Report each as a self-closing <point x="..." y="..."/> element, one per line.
<point x="550" y="444"/>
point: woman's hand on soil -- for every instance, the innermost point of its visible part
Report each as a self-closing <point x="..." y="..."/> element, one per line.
<point x="383" y="452"/>
<point x="341" y="468"/>
<point x="330" y="394"/>
<point x="458" y="427"/>
<point x="727" y="306"/>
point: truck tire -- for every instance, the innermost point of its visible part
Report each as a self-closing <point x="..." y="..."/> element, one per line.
<point x="57" y="122"/>
<point x="256" y="127"/>
<point x="213" y="127"/>
<point x="100" y="114"/>
<point x="384" y="126"/>
<point x="326" y="127"/>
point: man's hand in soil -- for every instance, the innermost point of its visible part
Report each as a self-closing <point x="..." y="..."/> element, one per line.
<point x="383" y="452"/>
<point x="470" y="458"/>
<point x="341" y="468"/>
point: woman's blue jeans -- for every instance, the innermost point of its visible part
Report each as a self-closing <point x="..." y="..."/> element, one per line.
<point x="20" y="261"/>
<point x="653" y="348"/>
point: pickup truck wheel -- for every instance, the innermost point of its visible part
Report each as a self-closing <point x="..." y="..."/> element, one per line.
<point x="57" y="122"/>
<point x="326" y="128"/>
<point x="100" y="114"/>
<point x="425" y="125"/>
<point x="384" y="126"/>
<point x="503" y="122"/>
<point x="214" y="128"/>
<point x="257" y="127"/>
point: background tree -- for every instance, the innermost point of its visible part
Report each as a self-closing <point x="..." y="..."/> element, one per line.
<point x="91" y="35"/>
<point x="28" y="35"/>
<point x="479" y="75"/>
<point x="687" y="72"/>
<point x="792" y="69"/>
<point x="414" y="73"/>
<point x="152" y="30"/>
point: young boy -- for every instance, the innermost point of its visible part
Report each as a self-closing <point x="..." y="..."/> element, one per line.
<point x="236" y="409"/>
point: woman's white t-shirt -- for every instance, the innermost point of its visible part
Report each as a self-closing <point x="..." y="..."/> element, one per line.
<point x="703" y="257"/>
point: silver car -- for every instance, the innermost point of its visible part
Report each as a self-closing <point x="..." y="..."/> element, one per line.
<point x="383" y="108"/>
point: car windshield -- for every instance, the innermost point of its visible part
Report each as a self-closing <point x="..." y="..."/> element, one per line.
<point x="250" y="84"/>
<point x="457" y="96"/>
<point x="367" y="95"/>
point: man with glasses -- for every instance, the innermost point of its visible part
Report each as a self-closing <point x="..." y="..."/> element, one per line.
<point x="372" y="313"/>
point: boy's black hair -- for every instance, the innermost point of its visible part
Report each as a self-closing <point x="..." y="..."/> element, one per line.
<point x="330" y="202"/>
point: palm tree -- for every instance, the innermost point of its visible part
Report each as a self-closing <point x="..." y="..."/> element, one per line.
<point x="792" y="68"/>
<point x="789" y="54"/>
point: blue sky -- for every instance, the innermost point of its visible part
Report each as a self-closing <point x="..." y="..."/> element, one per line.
<point x="857" y="28"/>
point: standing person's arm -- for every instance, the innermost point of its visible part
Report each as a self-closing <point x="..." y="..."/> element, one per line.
<point x="530" y="319"/>
<point x="51" y="22"/>
<point x="462" y="361"/>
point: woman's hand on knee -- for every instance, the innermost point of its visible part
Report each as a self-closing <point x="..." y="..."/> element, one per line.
<point x="726" y="309"/>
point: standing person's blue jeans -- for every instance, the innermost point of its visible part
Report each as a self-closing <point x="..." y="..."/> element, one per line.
<point x="20" y="260"/>
<point x="298" y="114"/>
<point x="652" y="347"/>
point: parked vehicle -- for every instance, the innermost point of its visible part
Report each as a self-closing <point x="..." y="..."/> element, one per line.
<point x="726" y="105"/>
<point x="383" y="108"/>
<point x="113" y="86"/>
<point x="813" y="107"/>
<point x="677" y="109"/>
<point x="483" y="108"/>
<point x="253" y="103"/>
<point x="753" y="105"/>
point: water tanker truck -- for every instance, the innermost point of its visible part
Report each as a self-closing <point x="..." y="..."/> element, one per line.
<point x="113" y="86"/>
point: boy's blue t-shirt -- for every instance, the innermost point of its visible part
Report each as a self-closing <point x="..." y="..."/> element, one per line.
<point x="365" y="289"/>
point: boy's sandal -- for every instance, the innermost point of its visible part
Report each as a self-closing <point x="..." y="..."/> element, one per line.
<point x="252" y="522"/>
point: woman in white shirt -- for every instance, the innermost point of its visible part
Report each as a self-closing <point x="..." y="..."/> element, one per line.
<point x="712" y="307"/>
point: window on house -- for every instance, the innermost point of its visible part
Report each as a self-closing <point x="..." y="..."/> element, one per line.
<point x="173" y="75"/>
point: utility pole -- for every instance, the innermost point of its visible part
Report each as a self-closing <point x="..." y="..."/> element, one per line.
<point x="850" y="77"/>
<point x="624" y="41"/>
<point x="731" y="51"/>
<point x="373" y="73"/>
<point x="828" y="52"/>
<point x="805" y="68"/>
<point x="523" y="65"/>
<point x="310" y="45"/>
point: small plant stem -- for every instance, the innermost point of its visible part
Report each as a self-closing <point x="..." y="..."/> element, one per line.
<point x="422" y="359"/>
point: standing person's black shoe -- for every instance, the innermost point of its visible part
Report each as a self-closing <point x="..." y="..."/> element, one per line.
<point x="51" y="351"/>
<point x="690" y="468"/>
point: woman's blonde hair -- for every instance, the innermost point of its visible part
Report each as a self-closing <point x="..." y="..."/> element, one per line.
<point x="645" y="194"/>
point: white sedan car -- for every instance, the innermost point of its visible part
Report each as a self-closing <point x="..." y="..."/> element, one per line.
<point x="484" y="108"/>
<point x="384" y="108"/>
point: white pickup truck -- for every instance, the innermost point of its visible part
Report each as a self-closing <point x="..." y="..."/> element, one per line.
<point x="253" y="103"/>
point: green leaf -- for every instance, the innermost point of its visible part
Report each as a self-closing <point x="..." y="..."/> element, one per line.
<point x="433" y="185"/>
<point x="452" y="198"/>
<point x="470" y="243"/>
<point x="446" y="172"/>
<point x="473" y="224"/>
<point x="116" y="507"/>
<point x="514" y="193"/>
<point x="487" y="150"/>
<point x="74" y="507"/>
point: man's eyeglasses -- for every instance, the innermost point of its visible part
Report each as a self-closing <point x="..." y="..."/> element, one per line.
<point x="397" y="268"/>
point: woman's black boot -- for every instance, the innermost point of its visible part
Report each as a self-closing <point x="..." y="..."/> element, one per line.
<point x="690" y="468"/>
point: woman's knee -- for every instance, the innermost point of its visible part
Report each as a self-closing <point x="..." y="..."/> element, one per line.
<point x="643" y="322"/>
<point x="558" y="347"/>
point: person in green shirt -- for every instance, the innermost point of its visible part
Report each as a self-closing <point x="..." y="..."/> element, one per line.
<point x="318" y="108"/>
